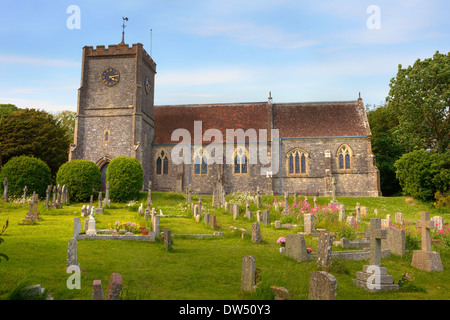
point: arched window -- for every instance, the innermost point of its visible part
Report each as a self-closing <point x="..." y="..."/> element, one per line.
<point x="297" y="162"/>
<point x="344" y="157"/>
<point x="106" y="136"/>
<point x="162" y="162"/>
<point x="240" y="157"/>
<point x="200" y="161"/>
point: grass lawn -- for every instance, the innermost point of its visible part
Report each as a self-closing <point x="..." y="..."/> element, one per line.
<point x="195" y="269"/>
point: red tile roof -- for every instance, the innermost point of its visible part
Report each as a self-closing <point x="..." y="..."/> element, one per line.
<point x="315" y="119"/>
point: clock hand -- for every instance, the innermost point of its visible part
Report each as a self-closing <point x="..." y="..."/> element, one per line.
<point x="113" y="76"/>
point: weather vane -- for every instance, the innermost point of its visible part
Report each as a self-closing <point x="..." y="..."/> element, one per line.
<point x="123" y="29"/>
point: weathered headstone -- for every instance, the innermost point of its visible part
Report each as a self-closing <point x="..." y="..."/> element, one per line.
<point x="47" y="197"/>
<point x="322" y="286"/>
<point x="63" y="194"/>
<point x="91" y="230"/>
<point x="280" y="293"/>
<point x="84" y="211"/>
<point x="54" y="204"/>
<point x="35" y="206"/>
<point x="286" y="202"/>
<point x="212" y="221"/>
<point x="395" y="241"/>
<point x="363" y="210"/>
<point x="296" y="247"/>
<point x="399" y="218"/>
<point x="315" y="201"/>
<point x="206" y="218"/>
<point x="438" y="223"/>
<point x="156" y="225"/>
<point x="76" y="227"/>
<point x="114" y="287"/>
<point x="266" y="217"/>
<point x="309" y="227"/>
<point x="97" y="290"/>
<point x="426" y="259"/>
<point x="256" y="233"/>
<point x="147" y="214"/>
<point x="248" y="274"/>
<point x="5" y="190"/>
<point x="167" y="238"/>
<point x="72" y="252"/>
<point x="350" y="221"/>
<point x="25" y="193"/>
<point x="341" y="212"/>
<point x="106" y="201"/>
<point x="324" y="249"/>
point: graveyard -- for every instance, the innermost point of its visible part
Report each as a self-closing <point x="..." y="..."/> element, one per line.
<point x="227" y="249"/>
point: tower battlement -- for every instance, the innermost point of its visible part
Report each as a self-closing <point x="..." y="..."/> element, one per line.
<point x="118" y="50"/>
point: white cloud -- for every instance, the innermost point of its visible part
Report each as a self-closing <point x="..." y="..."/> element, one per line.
<point x="195" y="77"/>
<point x="46" y="105"/>
<point x="38" y="61"/>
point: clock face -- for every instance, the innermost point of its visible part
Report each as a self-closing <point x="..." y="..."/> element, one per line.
<point x="110" y="77"/>
<point x="147" y="85"/>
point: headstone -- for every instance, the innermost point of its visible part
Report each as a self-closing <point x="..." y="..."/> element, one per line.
<point x="188" y="194"/>
<point x="266" y="217"/>
<point x="309" y="227"/>
<point x="106" y="201"/>
<point x="84" y="211"/>
<point x="324" y="249"/>
<point x="286" y="202"/>
<point x="35" y="206"/>
<point x="5" y="190"/>
<point x="395" y="241"/>
<point x="234" y="208"/>
<point x="29" y="217"/>
<point x="426" y="259"/>
<point x="167" y="238"/>
<point x="97" y="290"/>
<point x="72" y="252"/>
<point x="54" y="204"/>
<point x="322" y="286"/>
<point x="358" y="214"/>
<point x="350" y="221"/>
<point x="256" y="233"/>
<point x="58" y="197"/>
<point x="258" y="199"/>
<point x="25" y="193"/>
<point x="438" y="223"/>
<point x="196" y="210"/>
<point x="363" y="211"/>
<point x="280" y="293"/>
<point x="114" y="287"/>
<point x="141" y="210"/>
<point x="63" y="194"/>
<point x="47" y="197"/>
<point x="91" y="203"/>
<point x="147" y="214"/>
<point x="212" y="221"/>
<point x="206" y="218"/>
<point x="341" y="212"/>
<point x="248" y="274"/>
<point x="296" y="247"/>
<point x="315" y="202"/>
<point x="399" y="218"/>
<point x="374" y="278"/>
<point x="76" y="227"/>
<point x="156" y="225"/>
<point x="149" y="195"/>
<point x="258" y="216"/>
<point x="91" y="230"/>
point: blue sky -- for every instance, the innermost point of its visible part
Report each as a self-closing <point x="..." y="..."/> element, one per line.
<point x="222" y="51"/>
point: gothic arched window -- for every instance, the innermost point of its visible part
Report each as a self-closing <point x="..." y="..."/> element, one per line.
<point x="344" y="157"/>
<point x="297" y="162"/>
<point x="240" y="157"/>
<point x="200" y="161"/>
<point x="162" y="162"/>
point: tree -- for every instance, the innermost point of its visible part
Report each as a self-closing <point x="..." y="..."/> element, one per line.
<point x="35" y="133"/>
<point x="7" y="108"/>
<point x="383" y="124"/>
<point x="420" y="97"/>
<point x="66" y="119"/>
<point x="125" y="176"/>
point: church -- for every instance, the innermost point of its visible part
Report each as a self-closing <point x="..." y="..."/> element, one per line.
<point x="312" y="148"/>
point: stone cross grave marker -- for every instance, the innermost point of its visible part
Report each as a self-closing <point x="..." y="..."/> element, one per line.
<point x="426" y="259"/>
<point x="375" y="234"/>
<point x="47" y="197"/>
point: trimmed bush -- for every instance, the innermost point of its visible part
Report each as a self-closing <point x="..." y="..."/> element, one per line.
<point x="422" y="173"/>
<point x="26" y="171"/>
<point x="125" y="176"/>
<point x="81" y="177"/>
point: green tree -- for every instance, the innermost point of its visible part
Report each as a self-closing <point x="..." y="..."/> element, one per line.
<point x="420" y="96"/>
<point x="81" y="177"/>
<point x="125" y="176"/>
<point x="26" y="171"/>
<point x="422" y="173"/>
<point x="383" y="124"/>
<point x="35" y="133"/>
<point x="66" y="120"/>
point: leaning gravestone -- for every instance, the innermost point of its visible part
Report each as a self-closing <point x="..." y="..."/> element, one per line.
<point x="248" y="274"/>
<point x="296" y="247"/>
<point x="426" y="259"/>
<point x="322" y="286"/>
<point x="324" y="249"/>
<point x="374" y="278"/>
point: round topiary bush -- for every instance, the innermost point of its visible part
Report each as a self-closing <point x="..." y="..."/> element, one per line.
<point x="25" y="171"/>
<point x="125" y="176"/>
<point x="81" y="177"/>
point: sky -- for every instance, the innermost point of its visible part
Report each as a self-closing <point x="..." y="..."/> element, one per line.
<point x="211" y="51"/>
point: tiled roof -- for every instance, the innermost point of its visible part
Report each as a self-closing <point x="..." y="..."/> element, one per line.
<point x="315" y="119"/>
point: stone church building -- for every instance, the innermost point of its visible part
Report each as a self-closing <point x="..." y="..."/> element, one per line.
<point x="317" y="147"/>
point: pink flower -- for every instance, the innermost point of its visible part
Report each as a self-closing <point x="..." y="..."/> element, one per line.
<point x="308" y="250"/>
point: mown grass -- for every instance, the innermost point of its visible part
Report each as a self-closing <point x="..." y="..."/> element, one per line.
<point x="205" y="269"/>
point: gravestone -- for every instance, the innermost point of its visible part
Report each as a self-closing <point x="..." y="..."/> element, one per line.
<point x="99" y="209"/>
<point x="5" y="190"/>
<point x="147" y="214"/>
<point x="63" y="194"/>
<point x="97" y="290"/>
<point x="91" y="203"/>
<point x="106" y="201"/>
<point x="196" y="210"/>
<point x="149" y="195"/>
<point x="309" y="227"/>
<point x="296" y="247"/>
<point x="280" y="293"/>
<point x="350" y="221"/>
<point x="399" y="218"/>
<point x="286" y="202"/>
<point x="315" y="202"/>
<point x="76" y="227"/>
<point x="156" y="225"/>
<point x="395" y="241"/>
<point x="358" y="213"/>
<point x="324" y="249"/>
<point x="47" y="197"/>
<point x="54" y="204"/>
<point x="363" y="211"/>
<point x="206" y="218"/>
<point x="248" y="274"/>
<point x="114" y="287"/>
<point x="91" y="230"/>
<point x="256" y="233"/>
<point x="84" y="211"/>
<point x="341" y="212"/>
<point x="188" y="194"/>
<point x="322" y="286"/>
<point x="426" y="259"/>
<point x="72" y="252"/>
<point x="35" y="206"/>
<point x="167" y="238"/>
<point x="266" y="217"/>
<point x="141" y="210"/>
<point x="58" y="197"/>
<point x="29" y="217"/>
<point x="25" y="193"/>
<point x="212" y="221"/>
<point x="374" y="278"/>
<point x="438" y="223"/>
<point x="258" y="216"/>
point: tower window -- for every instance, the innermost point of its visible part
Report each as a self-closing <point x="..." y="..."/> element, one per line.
<point x="106" y="136"/>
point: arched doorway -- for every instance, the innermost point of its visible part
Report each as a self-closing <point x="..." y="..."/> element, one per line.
<point x="103" y="171"/>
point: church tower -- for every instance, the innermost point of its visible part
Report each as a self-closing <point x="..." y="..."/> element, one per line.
<point x="115" y="106"/>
